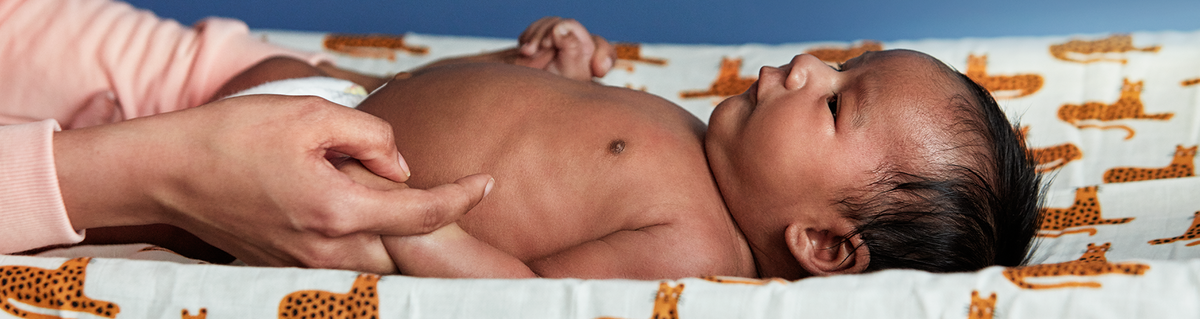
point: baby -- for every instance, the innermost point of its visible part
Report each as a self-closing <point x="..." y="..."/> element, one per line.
<point x="892" y="160"/>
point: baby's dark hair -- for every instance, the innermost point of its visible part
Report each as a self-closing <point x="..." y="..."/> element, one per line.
<point x="978" y="212"/>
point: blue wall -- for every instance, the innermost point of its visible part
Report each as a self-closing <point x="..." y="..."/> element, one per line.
<point x="706" y="21"/>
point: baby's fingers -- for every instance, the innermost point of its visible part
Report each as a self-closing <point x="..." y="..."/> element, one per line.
<point x="535" y="35"/>
<point x="604" y="57"/>
<point x="574" y="50"/>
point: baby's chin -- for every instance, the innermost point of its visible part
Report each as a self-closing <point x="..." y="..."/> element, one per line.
<point x="731" y="114"/>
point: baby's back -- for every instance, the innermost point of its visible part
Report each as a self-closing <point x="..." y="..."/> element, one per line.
<point x="591" y="181"/>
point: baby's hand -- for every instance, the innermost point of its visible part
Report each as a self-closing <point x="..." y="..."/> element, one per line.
<point x="564" y="47"/>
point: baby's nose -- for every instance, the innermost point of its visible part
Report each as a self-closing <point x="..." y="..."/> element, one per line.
<point x="797" y="71"/>
<point x="802" y="69"/>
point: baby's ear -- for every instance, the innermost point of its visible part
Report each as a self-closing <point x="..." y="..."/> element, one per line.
<point x="826" y="251"/>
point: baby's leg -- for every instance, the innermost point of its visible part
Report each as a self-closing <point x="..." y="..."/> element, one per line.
<point x="283" y="68"/>
<point x="273" y="69"/>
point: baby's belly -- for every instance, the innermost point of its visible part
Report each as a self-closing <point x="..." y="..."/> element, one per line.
<point x="573" y="162"/>
<point x="545" y="203"/>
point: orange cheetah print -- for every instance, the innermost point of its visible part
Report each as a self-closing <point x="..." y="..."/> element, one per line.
<point x="727" y="83"/>
<point x="1128" y="106"/>
<point x="1092" y="263"/>
<point x="1002" y="86"/>
<point x="371" y="46"/>
<point x="361" y="302"/>
<point x="840" y="55"/>
<point x="1098" y="50"/>
<point x="982" y="308"/>
<point x="1182" y="165"/>
<point x="744" y="281"/>
<point x="666" y="302"/>
<point x="60" y="289"/>
<point x="1052" y="157"/>
<point x="627" y="53"/>
<point x="1192" y="232"/>
<point x="1190" y="82"/>
<point x="1084" y="212"/>
<point x="200" y="315"/>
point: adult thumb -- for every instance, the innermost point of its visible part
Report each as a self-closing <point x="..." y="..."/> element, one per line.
<point x="410" y="211"/>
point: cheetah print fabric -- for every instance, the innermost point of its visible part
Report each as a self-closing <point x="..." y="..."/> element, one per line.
<point x="1111" y="119"/>
<point x="1079" y="218"/>
<point x="666" y="302"/>
<point x="1193" y="232"/>
<point x="982" y="308"/>
<point x="361" y="302"/>
<point x="1002" y="86"/>
<point x="371" y="46"/>
<point x="1182" y="165"/>
<point x="728" y="82"/>
<point x="60" y="288"/>
<point x="1092" y="263"/>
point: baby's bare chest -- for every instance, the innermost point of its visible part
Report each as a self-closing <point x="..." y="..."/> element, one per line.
<point x="561" y="185"/>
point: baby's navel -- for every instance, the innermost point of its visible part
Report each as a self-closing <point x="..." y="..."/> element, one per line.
<point x="616" y="147"/>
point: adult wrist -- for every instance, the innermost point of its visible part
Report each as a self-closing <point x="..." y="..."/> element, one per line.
<point x="102" y="176"/>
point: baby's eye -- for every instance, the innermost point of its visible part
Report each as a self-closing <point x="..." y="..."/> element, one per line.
<point x="832" y="100"/>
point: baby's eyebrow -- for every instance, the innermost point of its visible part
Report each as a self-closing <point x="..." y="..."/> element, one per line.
<point x="864" y="99"/>
<point x="866" y="92"/>
<point x="855" y="61"/>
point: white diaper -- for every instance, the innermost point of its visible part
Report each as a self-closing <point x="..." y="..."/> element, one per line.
<point x="335" y="90"/>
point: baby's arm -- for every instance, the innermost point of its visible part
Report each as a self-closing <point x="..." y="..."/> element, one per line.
<point x="450" y="252"/>
<point x="654" y="252"/>
<point x="447" y="252"/>
<point x="560" y="46"/>
<point x="667" y="249"/>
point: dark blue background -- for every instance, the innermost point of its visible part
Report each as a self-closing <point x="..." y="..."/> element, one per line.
<point x="705" y="21"/>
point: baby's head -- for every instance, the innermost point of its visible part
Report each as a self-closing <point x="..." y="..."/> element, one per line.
<point x="894" y="161"/>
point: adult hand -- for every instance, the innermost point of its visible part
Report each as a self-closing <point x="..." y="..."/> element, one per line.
<point x="250" y="175"/>
<point x="449" y="252"/>
<point x="564" y="47"/>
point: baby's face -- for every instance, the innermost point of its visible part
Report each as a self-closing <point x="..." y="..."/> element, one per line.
<point x="791" y="146"/>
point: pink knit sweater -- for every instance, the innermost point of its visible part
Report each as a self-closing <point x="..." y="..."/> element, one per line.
<point x="57" y="56"/>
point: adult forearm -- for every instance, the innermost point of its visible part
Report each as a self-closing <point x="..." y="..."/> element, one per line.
<point x="103" y="172"/>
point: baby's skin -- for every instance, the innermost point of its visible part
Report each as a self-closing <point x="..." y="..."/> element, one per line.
<point x="591" y="181"/>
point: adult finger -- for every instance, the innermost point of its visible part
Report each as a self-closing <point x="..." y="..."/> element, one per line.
<point x="366" y="138"/>
<point x="408" y="211"/>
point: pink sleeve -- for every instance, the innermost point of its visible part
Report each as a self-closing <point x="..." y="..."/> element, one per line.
<point x="75" y="50"/>
<point x="91" y="62"/>
<point x="32" y="213"/>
